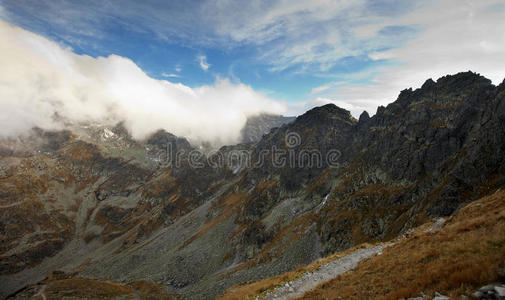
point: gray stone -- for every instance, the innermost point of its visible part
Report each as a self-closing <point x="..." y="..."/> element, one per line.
<point x="478" y="294"/>
<point x="500" y="290"/>
<point x="439" y="296"/>
<point x="487" y="288"/>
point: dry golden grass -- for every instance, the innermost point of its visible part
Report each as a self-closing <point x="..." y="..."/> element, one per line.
<point x="150" y="290"/>
<point x="80" y="287"/>
<point x="249" y="290"/>
<point x="83" y="288"/>
<point x="464" y="255"/>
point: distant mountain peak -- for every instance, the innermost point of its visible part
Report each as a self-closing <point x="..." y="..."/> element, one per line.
<point x="257" y="126"/>
<point x="327" y="112"/>
<point x="321" y="183"/>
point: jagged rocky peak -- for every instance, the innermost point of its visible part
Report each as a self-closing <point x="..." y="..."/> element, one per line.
<point x="120" y="129"/>
<point x="162" y="139"/>
<point x="458" y="85"/>
<point x="257" y="126"/>
<point x="327" y="112"/>
<point x="463" y="79"/>
<point x="426" y="154"/>
<point x="428" y="84"/>
<point x="364" y="117"/>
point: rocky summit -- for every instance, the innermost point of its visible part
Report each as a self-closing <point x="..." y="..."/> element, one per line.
<point x="90" y="206"/>
<point x="257" y="126"/>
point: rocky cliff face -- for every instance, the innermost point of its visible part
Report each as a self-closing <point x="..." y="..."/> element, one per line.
<point x="257" y="126"/>
<point x="100" y="204"/>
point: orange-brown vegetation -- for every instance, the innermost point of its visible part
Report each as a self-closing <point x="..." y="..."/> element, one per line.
<point x="249" y="290"/>
<point x="320" y="180"/>
<point x="150" y="290"/>
<point x="25" y="185"/>
<point x="83" y="288"/>
<point x="47" y="232"/>
<point x="162" y="186"/>
<point x="81" y="151"/>
<point x="464" y="255"/>
<point x="360" y="213"/>
<point x="117" y="221"/>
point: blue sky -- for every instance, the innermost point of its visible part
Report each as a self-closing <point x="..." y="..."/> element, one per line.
<point x="240" y="57"/>
<point x="284" y="49"/>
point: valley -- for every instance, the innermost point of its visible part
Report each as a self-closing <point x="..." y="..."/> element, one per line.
<point x="92" y="206"/>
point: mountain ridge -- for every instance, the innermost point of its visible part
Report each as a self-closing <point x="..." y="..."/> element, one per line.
<point x="198" y="228"/>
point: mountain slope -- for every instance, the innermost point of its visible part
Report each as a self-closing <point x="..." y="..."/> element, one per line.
<point x="257" y="126"/>
<point x="454" y="257"/>
<point x="323" y="183"/>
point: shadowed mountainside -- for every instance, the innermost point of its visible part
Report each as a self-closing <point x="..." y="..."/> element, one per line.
<point x="453" y="256"/>
<point x="95" y="203"/>
<point x="257" y="126"/>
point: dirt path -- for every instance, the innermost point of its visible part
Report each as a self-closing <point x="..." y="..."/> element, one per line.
<point x="298" y="287"/>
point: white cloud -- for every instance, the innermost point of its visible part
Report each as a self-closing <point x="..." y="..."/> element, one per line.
<point x="455" y="36"/>
<point x="170" y="75"/>
<point x="319" y="89"/>
<point x="314" y="34"/>
<point x="202" y="60"/>
<point x="448" y="36"/>
<point x="39" y="78"/>
<point x="367" y="31"/>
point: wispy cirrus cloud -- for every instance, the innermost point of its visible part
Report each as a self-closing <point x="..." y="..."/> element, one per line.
<point x="170" y="75"/>
<point x="316" y="35"/>
<point x="202" y="61"/>
<point x="456" y="36"/>
<point x="361" y="52"/>
<point x="311" y="35"/>
<point x="319" y="89"/>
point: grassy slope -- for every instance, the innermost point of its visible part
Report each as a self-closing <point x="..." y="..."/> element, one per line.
<point x="249" y="290"/>
<point x="464" y="255"/>
<point x="82" y="288"/>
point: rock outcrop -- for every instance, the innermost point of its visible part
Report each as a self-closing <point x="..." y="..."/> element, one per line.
<point x="323" y="182"/>
<point x="257" y="126"/>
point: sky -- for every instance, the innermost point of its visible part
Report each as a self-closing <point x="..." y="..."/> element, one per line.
<point x="232" y="58"/>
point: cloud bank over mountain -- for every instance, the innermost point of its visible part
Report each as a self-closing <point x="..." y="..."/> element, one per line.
<point x="355" y="54"/>
<point x="452" y="36"/>
<point x="44" y="84"/>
